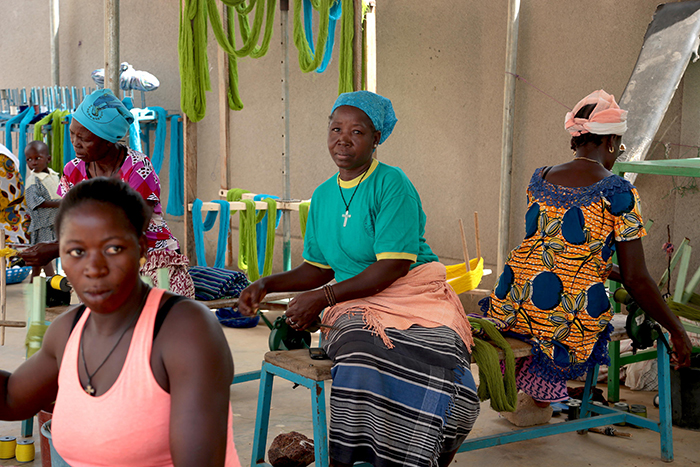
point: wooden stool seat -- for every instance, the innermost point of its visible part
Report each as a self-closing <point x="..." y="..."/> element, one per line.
<point x="299" y="362"/>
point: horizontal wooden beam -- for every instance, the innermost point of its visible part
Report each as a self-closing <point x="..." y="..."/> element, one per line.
<point x="241" y="206"/>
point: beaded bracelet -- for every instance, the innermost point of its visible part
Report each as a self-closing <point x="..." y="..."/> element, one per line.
<point x="330" y="295"/>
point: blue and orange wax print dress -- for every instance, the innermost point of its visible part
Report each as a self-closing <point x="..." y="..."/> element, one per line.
<point x="552" y="286"/>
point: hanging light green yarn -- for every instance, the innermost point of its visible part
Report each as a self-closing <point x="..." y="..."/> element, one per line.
<point x="347" y="33"/>
<point x="309" y="61"/>
<point x="194" y="66"/>
<point x="303" y="216"/>
<point x="247" y="237"/>
<point x="493" y="384"/>
<point x="192" y="47"/>
<point x="55" y="137"/>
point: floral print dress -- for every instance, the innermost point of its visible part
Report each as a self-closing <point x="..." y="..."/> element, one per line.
<point x="552" y="286"/>
<point x="13" y="217"/>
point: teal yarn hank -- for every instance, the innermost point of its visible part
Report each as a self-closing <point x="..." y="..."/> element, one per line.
<point x="176" y="197"/>
<point x="200" y="227"/>
<point x="334" y="15"/>
<point x="265" y="233"/>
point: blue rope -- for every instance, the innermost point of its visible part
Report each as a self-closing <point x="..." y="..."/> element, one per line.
<point x="334" y="15"/>
<point x="261" y="231"/>
<point x="161" y="128"/>
<point x="200" y="227"/>
<point x="159" y="145"/>
<point x="68" y="150"/>
<point x="176" y="197"/>
<point x="17" y="119"/>
<point x="28" y="116"/>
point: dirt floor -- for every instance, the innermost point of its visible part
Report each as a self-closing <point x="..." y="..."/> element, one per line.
<point x="291" y="409"/>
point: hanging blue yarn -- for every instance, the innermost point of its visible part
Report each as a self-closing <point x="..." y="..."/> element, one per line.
<point x="261" y="231"/>
<point x="17" y="119"/>
<point x="161" y="132"/>
<point x="200" y="227"/>
<point x="68" y="150"/>
<point x="176" y="196"/>
<point x="334" y="14"/>
<point x="28" y="116"/>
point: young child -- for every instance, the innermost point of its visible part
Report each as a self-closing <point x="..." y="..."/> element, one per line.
<point x="41" y="195"/>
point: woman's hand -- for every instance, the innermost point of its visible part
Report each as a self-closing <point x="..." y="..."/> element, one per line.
<point x="682" y="349"/>
<point x="251" y="297"/>
<point x="305" y="308"/>
<point x="39" y="254"/>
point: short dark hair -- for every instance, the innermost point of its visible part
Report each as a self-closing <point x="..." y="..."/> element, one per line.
<point x="585" y="138"/>
<point x="109" y="191"/>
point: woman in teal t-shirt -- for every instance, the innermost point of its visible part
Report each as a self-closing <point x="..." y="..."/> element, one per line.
<point x="403" y="393"/>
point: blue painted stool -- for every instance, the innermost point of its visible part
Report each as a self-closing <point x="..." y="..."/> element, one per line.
<point x="295" y="366"/>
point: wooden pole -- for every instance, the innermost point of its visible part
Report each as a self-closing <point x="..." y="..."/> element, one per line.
<point x="371" y="44"/>
<point x="53" y="26"/>
<point x="476" y="234"/>
<point x="112" y="46"/>
<point x="3" y="287"/>
<point x="224" y="133"/>
<point x="190" y="162"/>
<point x="465" y="251"/>
<point x="357" y="46"/>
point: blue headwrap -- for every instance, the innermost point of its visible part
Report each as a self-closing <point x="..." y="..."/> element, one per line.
<point x="377" y="108"/>
<point x="104" y="115"/>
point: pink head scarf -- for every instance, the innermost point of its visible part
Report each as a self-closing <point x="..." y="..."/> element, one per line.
<point x="607" y="117"/>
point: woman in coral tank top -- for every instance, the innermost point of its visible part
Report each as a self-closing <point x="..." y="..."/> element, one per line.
<point x="140" y="376"/>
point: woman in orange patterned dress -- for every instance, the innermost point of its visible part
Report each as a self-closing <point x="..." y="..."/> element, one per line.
<point x="552" y="287"/>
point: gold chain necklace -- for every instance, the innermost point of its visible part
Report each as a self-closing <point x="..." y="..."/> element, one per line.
<point x="589" y="160"/>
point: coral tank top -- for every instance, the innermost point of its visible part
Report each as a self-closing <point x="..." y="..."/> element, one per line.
<point x="129" y="425"/>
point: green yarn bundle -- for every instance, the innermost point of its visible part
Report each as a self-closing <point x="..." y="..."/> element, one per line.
<point x="55" y="138"/>
<point x="247" y="237"/>
<point x="494" y="385"/>
<point x="192" y="45"/>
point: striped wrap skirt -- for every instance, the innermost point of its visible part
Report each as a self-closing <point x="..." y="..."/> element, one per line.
<point x="402" y="406"/>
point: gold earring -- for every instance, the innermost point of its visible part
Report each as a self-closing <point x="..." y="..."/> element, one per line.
<point x="622" y="148"/>
<point x="611" y="150"/>
<point x="142" y="261"/>
<point x="574" y="152"/>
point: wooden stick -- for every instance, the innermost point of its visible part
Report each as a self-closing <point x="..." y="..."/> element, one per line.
<point x="465" y="252"/>
<point x="12" y="324"/>
<point x="476" y="230"/>
<point x="3" y="287"/>
<point x="609" y="431"/>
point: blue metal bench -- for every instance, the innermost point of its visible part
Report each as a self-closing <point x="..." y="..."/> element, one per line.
<point x="297" y="367"/>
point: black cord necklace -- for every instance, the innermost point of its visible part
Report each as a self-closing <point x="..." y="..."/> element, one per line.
<point x="347" y="215"/>
<point x="89" y="388"/>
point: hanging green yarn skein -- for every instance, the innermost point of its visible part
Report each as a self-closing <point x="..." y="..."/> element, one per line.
<point x="194" y="66"/>
<point x="494" y="385"/>
<point x="347" y="33"/>
<point x="247" y="237"/>
<point x="309" y="61"/>
<point x="192" y="47"/>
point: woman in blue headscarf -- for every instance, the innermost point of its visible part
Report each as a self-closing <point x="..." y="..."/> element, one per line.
<point x="98" y="125"/>
<point x="403" y="393"/>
